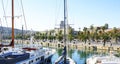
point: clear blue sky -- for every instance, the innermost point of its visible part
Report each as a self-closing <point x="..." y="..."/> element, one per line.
<point x="45" y="14"/>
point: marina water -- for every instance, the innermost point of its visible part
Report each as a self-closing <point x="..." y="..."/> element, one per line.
<point x="79" y="56"/>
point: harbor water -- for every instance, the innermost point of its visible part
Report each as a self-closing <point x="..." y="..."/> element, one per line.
<point x="79" y="56"/>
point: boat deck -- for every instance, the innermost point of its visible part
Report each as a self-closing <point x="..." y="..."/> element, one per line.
<point x="103" y="60"/>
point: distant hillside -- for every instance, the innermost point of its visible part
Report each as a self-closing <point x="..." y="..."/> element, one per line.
<point x="7" y="31"/>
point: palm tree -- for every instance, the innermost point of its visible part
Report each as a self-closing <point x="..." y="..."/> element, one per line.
<point x="60" y="35"/>
<point x="70" y="34"/>
<point x="83" y="38"/>
<point x="88" y="36"/>
<point x="46" y="35"/>
<point x="96" y="36"/>
<point x="91" y="33"/>
<point x="119" y="36"/>
<point x="85" y="29"/>
<point x="92" y="36"/>
<point x="105" y="38"/>
<point x="115" y="34"/>
<point x="43" y="36"/>
<point x="50" y="36"/>
<point x="91" y="27"/>
<point x="84" y="35"/>
<point x="103" y="28"/>
<point x="37" y="35"/>
<point x="80" y="36"/>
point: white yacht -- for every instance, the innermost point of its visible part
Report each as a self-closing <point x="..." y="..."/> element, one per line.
<point x="100" y="59"/>
<point x="38" y="55"/>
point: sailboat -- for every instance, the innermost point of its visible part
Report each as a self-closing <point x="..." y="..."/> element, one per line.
<point x="9" y="54"/>
<point x="64" y="59"/>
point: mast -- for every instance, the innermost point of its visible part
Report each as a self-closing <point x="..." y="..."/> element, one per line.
<point x="12" y="43"/>
<point x="65" y="20"/>
<point x="22" y="36"/>
<point x="1" y="32"/>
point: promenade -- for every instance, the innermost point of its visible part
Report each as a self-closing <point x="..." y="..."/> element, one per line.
<point x="81" y="45"/>
<point x="76" y="45"/>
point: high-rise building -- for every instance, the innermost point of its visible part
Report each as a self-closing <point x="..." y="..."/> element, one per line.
<point x="61" y="24"/>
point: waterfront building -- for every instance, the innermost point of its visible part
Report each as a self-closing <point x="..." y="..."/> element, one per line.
<point x="61" y="28"/>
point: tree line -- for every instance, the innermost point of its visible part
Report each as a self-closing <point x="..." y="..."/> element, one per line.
<point x="91" y="34"/>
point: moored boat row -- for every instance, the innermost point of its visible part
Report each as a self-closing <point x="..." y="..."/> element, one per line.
<point x="32" y="54"/>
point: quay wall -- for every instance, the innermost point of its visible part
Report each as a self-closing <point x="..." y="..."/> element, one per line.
<point x="78" y="45"/>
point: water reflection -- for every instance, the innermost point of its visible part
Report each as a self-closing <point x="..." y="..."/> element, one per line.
<point x="59" y="51"/>
<point x="70" y="52"/>
<point x="80" y="56"/>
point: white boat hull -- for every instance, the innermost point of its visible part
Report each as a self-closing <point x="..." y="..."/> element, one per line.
<point x="103" y="60"/>
<point x="60" y="60"/>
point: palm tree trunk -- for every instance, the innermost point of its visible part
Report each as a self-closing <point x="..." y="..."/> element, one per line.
<point x="116" y="40"/>
<point x="104" y="42"/>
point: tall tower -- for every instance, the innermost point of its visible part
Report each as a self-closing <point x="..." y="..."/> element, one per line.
<point x="61" y="24"/>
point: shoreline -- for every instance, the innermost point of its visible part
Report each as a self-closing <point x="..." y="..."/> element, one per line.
<point x="78" y="46"/>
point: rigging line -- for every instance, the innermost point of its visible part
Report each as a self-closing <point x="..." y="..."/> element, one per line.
<point x="19" y="17"/>
<point x="23" y="14"/>
<point x="0" y="22"/>
<point x="4" y="12"/>
<point x="1" y="31"/>
<point x="1" y="25"/>
<point x="57" y="10"/>
<point x="6" y="4"/>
